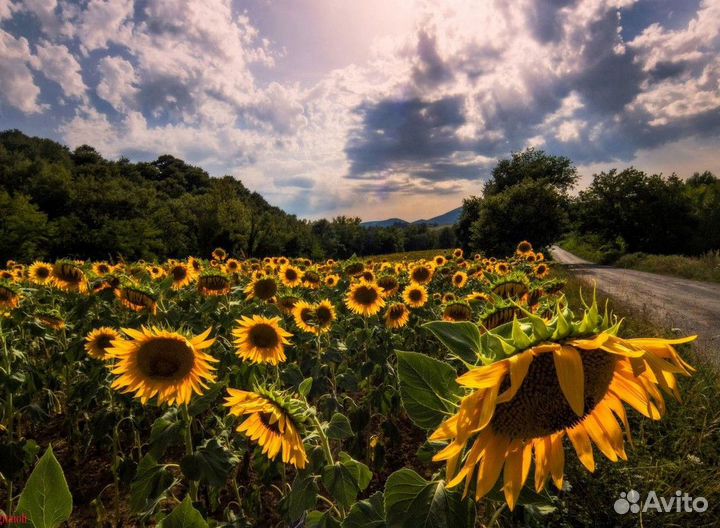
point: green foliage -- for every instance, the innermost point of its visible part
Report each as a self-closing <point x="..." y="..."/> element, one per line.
<point x="556" y="171"/>
<point x="46" y="499"/>
<point x="410" y="500"/>
<point x="345" y="479"/>
<point x="368" y="513"/>
<point x="183" y="516"/>
<point x="427" y="388"/>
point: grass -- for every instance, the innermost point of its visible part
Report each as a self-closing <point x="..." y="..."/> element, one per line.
<point x="702" y="268"/>
<point x="679" y="452"/>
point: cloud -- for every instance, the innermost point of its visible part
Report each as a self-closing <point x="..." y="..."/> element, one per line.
<point x="56" y="63"/>
<point x="17" y="85"/>
<point x="118" y="83"/>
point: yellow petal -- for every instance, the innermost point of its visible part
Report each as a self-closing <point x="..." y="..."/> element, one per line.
<point x="569" y="368"/>
<point x="583" y="447"/>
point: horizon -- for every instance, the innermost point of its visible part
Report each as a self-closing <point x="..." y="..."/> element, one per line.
<point x="364" y="110"/>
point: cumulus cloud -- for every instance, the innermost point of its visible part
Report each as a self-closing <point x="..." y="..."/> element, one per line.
<point x="57" y="64"/>
<point x="17" y="85"/>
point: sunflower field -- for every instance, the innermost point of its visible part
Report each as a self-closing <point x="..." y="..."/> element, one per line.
<point x="286" y="392"/>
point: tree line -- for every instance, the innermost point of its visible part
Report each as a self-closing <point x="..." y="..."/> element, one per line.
<point x="528" y="197"/>
<point x="57" y="203"/>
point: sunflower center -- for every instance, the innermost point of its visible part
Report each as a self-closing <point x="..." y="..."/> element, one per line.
<point x="415" y="295"/>
<point x="458" y="312"/>
<point x="396" y="312"/>
<point x="365" y="296"/>
<point x="179" y="273"/>
<point x="291" y="275"/>
<point x="539" y="407"/>
<point x="165" y="358"/>
<point x="263" y="336"/>
<point x="421" y="274"/>
<point x="265" y="289"/>
<point x="266" y="419"/>
<point x="103" y="341"/>
<point x="323" y="314"/>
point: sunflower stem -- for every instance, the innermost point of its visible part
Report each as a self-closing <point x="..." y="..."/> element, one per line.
<point x="189" y="449"/>
<point x="116" y="446"/>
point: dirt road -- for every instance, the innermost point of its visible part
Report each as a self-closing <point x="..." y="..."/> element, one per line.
<point x="691" y="306"/>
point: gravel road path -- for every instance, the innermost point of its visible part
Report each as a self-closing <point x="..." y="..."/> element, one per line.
<point x="691" y="306"/>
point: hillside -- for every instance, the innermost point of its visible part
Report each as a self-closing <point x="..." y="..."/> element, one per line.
<point x="445" y="219"/>
<point x="56" y="203"/>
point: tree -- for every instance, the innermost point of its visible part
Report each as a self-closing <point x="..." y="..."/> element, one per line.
<point x="651" y="213"/>
<point x="23" y="228"/>
<point x="557" y="171"/>
<point x="531" y="210"/>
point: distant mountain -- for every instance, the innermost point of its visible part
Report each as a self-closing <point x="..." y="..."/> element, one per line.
<point x="446" y="219"/>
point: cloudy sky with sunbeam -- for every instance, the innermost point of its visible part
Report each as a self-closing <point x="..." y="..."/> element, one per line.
<point x="375" y="108"/>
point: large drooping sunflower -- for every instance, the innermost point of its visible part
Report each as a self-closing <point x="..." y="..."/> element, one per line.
<point x="261" y="340"/>
<point x="69" y="277"/>
<point x="163" y="364"/>
<point x="290" y="276"/>
<point x="99" y="340"/>
<point x="40" y="273"/>
<point x="415" y="295"/>
<point x="271" y="423"/>
<point x="136" y="298"/>
<point x="396" y="316"/>
<point x="457" y="311"/>
<point x="212" y="284"/>
<point x="365" y="298"/>
<point x="565" y="379"/>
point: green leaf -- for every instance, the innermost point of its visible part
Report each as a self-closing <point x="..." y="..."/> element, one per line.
<point x="345" y="479"/>
<point x="209" y="463"/>
<point x="461" y="338"/>
<point x="427" y="388"/>
<point x="165" y="431"/>
<point x="339" y="428"/>
<point x="367" y="513"/>
<point x="151" y="483"/>
<point x="46" y="499"/>
<point x="184" y="516"/>
<point x="410" y="500"/>
<point x="305" y="386"/>
<point x="302" y="496"/>
<point x="316" y="519"/>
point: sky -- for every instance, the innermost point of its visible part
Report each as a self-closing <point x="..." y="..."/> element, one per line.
<point x="373" y="108"/>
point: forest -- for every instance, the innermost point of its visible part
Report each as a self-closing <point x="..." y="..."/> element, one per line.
<point x="56" y="203"/>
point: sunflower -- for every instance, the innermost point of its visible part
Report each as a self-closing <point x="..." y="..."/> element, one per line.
<point x="457" y="311"/>
<point x="448" y="297"/>
<point x="162" y="363"/>
<point x="99" y="340"/>
<point x="51" y="320"/>
<point x="457" y="253"/>
<point x="213" y="284"/>
<point x="261" y="340"/>
<point x="101" y="268"/>
<point x="397" y="315"/>
<point x="477" y="297"/>
<point x="156" y="272"/>
<point x="7" y="275"/>
<point x="523" y="248"/>
<point x="513" y="285"/>
<point x="270" y="423"/>
<point x="324" y="315"/>
<point x="136" y="299"/>
<point x="219" y="254"/>
<point x="69" y="277"/>
<point x="232" y="266"/>
<point x="439" y="260"/>
<point x="502" y="268"/>
<point x="415" y="295"/>
<point x="263" y="288"/>
<point x="365" y="298"/>
<point x="459" y="279"/>
<point x="194" y="264"/>
<point x="421" y="274"/>
<point x="311" y="279"/>
<point x="332" y="280"/>
<point x="290" y="275"/>
<point x="304" y="315"/>
<point x="40" y="273"/>
<point x="389" y="285"/>
<point x="287" y="303"/>
<point x="499" y="314"/>
<point x="182" y="275"/>
<point x="9" y="298"/>
<point x="367" y="276"/>
<point x="556" y="384"/>
<point x="541" y="270"/>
